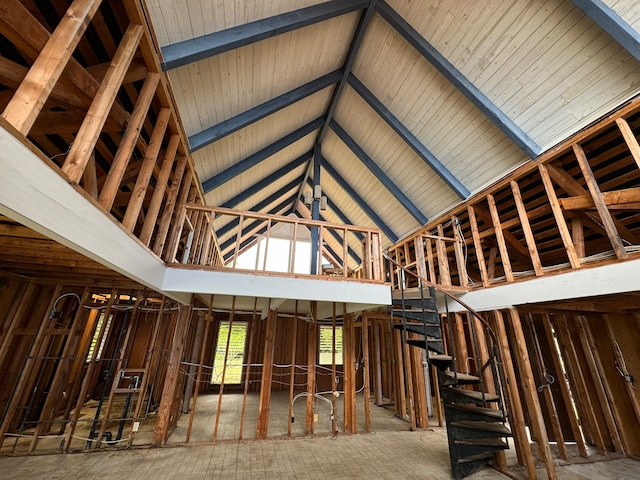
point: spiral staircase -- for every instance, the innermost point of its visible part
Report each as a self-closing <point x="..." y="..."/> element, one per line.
<point x="474" y="406"/>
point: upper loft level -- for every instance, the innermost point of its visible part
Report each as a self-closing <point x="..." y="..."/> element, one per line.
<point x="576" y="207"/>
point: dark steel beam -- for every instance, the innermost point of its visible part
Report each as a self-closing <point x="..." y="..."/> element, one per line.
<point x="379" y="174"/>
<point x="222" y="129"/>
<point x="375" y="218"/>
<point x="423" y="152"/>
<point x="268" y="180"/>
<point x="612" y="23"/>
<point x="468" y="89"/>
<point x="252" y="160"/>
<point x="189" y="51"/>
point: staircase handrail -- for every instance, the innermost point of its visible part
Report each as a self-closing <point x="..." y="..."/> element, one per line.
<point x="423" y="280"/>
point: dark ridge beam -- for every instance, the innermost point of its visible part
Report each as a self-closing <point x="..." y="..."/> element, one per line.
<point x="611" y="23"/>
<point x="379" y="174"/>
<point x="189" y="51"/>
<point x="468" y="89"/>
<point x="267" y="181"/>
<point x="232" y="241"/>
<point x="423" y="152"/>
<point x="212" y="134"/>
<point x="260" y="205"/>
<point x="365" y="18"/>
<point x="359" y="201"/>
<point x="343" y="218"/>
<point x="254" y="159"/>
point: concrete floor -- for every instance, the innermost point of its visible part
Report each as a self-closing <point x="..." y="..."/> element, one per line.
<point x="390" y="452"/>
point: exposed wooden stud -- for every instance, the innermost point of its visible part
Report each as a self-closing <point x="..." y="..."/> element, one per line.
<point x="348" y="349"/>
<point x="224" y="368"/>
<point x="460" y="343"/>
<point x="292" y="370"/>
<point x="90" y="177"/>
<point x="526" y="228"/>
<point x="516" y="412"/>
<point x="560" y="220"/>
<point x="87" y="136"/>
<point x="564" y="387"/>
<point x="160" y="431"/>
<point x="128" y="141"/>
<point x="502" y="246"/>
<point x="267" y="375"/>
<point x="400" y="396"/>
<point x="177" y="224"/>
<point x="596" y="194"/>
<point x="149" y="162"/>
<point x="30" y="97"/>
<point x="252" y="330"/>
<point x="629" y="138"/>
<point x="377" y="351"/>
<point x="169" y="206"/>
<point x="365" y="370"/>
<point x="460" y="258"/>
<point x="208" y="319"/>
<point x="443" y="261"/>
<point x="312" y="355"/>
<point x="601" y="388"/>
<point x="583" y="397"/>
<point x="531" y="396"/>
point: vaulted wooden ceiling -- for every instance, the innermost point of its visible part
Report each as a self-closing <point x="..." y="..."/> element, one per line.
<point x="411" y="105"/>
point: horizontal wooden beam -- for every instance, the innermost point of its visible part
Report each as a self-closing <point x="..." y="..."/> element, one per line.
<point x="625" y="199"/>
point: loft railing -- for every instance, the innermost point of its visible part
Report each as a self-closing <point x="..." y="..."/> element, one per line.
<point x="216" y="237"/>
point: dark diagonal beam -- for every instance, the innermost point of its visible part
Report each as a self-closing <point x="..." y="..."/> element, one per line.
<point x="260" y="205"/>
<point x="423" y="152"/>
<point x="379" y="174"/>
<point x="268" y="180"/>
<point x="252" y="160"/>
<point x="468" y="89"/>
<point x="222" y="129"/>
<point x="252" y="226"/>
<point x="375" y="218"/>
<point x="612" y="23"/>
<point x="189" y="51"/>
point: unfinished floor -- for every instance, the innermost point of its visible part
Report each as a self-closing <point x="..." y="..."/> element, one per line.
<point x="390" y="452"/>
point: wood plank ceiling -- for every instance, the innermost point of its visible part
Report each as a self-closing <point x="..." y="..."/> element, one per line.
<point x="414" y="105"/>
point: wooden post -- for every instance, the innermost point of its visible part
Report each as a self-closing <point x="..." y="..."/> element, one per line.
<point x="160" y="431"/>
<point x="377" y="350"/>
<point x="169" y="206"/>
<point x="128" y="141"/>
<point x="350" y="425"/>
<point x="90" y="178"/>
<point x="158" y="192"/>
<point x="564" y="388"/>
<point x="583" y="399"/>
<point x="365" y="366"/>
<point x="252" y="329"/>
<point x="334" y="378"/>
<point x="26" y="104"/>
<point x="460" y="344"/>
<point x="312" y="355"/>
<point x="601" y="206"/>
<point x="406" y="356"/>
<point x="502" y="246"/>
<point x="292" y="371"/>
<point x="516" y="419"/>
<point x="477" y="244"/>
<point x="178" y="222"/>
<point x="400" y="400"/>
<point x="146" y="170"/>
<point x="203" y="349"/>
<point x="443" y="260"/>
<point x="526" y="228"/>
<point x="267" y="374"/>
<point x="531" y="396"/>
<point x="457" y="248"/>
<point x="91" y="127"/>
<point x="596" y="369"/>
<point x="224" y="368"/>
